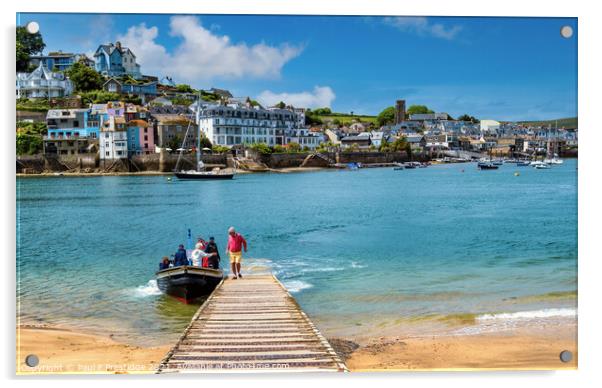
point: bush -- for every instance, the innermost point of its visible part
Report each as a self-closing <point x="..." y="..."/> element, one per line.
<point x="218" y="149"/>
<point x="30" y="137"/>
<point x="262" y="148"/>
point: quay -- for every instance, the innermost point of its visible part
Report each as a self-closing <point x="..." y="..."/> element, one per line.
<point x="251" y="324"/>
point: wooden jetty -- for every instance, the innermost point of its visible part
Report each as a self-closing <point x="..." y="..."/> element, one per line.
<point x="251" y="324"/>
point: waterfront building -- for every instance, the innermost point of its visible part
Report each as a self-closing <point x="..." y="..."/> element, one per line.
<point x="60" y="61"/>
<point x="304" y="137"/>
<point x="361" y="142"/>
<point x="144" y="91"/>
<point x="300" y="112"/>
<point x="72" y="123"/>
<point x="170" y="130"/>
<point x="43" y="83"/>
<point x="436" y="142"/>
<point x="237" y="123"/>
<point x="114" y="60"/>
<point x="140" y="138"/>
<point x="113" y="139"/>
<point x="71" y="132"/>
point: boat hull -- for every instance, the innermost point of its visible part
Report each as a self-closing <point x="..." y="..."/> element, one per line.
<point x="193" y="176"/>
<point x="188" y="283"/>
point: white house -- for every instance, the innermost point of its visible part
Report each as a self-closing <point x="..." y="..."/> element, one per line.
<point x="304" y="137"/>
<point x="237" y="123"/>
<point x="43" y="83"/>
<point x="113" y="139"/>
<point x="490" y="125"/>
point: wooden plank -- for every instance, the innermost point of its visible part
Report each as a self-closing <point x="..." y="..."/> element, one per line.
<point x="251" y="324"/>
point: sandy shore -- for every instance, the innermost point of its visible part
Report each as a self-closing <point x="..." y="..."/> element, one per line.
<point x="66" y="351"/>
<point x="519" y="350"/>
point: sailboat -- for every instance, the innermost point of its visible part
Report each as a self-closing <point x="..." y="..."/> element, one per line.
<point x="199" y="173"/>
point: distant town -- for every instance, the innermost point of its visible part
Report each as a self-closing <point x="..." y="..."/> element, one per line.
<point x="103" y="111"/>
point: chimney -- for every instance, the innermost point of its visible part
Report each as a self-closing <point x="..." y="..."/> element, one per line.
<point x="400" y="111"/>
<point x="118" y="45"/>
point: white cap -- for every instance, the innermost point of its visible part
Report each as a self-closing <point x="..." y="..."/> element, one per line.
<point x="231" y="229"/>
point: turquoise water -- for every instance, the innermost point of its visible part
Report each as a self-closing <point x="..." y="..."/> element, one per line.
<point x="360" y="250"/>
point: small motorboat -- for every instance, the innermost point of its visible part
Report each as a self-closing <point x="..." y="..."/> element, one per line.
<point x="487" y="166"/>
<point x="187" y="283"/>
<point x="523" y="163"/>
<point x="540" y="165"/>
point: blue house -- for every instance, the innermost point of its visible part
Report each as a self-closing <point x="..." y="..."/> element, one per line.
<point x="114" y="60"/>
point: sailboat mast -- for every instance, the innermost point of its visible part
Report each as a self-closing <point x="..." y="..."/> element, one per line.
<point x="198" y="135"/>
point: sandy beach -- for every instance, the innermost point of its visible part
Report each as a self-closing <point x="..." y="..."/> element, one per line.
<point x="66" y="351"/>
<point x="516" y="350"/>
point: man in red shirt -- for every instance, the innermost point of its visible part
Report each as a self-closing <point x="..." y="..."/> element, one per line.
<point x="234" y="248"/>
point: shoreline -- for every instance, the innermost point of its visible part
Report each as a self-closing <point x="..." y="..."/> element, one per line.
<point x="69" y="351"/>
<point x="285" y="170"/>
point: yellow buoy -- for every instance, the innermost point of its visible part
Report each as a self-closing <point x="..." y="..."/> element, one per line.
<point x="517" y="173"/>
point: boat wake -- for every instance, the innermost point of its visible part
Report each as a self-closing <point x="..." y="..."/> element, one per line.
<point x="149" y="289"/>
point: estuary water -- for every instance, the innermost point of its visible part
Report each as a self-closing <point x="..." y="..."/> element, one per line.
<point x="438" y="249"/>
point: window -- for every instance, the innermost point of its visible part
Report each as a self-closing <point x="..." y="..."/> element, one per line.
<point x="107" y="153"/>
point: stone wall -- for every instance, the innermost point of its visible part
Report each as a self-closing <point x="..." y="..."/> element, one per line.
<point x="295" y="160"/>
<point x="36" y="164"/>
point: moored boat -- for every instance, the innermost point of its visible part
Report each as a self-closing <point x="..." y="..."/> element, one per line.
<point x="187" y="283"/>
<point x="203" y="175"/>
<point x="487" y="166"/>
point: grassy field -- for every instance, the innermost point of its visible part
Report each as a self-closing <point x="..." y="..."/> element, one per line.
<point x="347" y="119"/>
<point x="569" y="122"/>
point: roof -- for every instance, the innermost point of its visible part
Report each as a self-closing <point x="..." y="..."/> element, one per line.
<point x="138" y="123"/>
<point x="172" y="119"/>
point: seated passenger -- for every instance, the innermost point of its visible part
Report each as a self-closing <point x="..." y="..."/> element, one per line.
<point x="180" y="257"/>
<point x="164" y="264"/>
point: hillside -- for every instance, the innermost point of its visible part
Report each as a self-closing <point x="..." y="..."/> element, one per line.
<point x="346" y="119"/>
<point x="569" y="122"/>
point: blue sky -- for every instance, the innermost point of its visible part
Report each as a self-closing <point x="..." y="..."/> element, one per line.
<point x="498" y="68"/>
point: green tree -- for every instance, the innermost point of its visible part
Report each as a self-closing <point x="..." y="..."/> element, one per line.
<point x="466" y="117"/>
<point x="386" y="116"/>
<point x="27" y="44"/>
<point x="174" y="143"/>
<point x="85" y="78"/>
<point x="262" y="148"/>
<point x="322" y="111"/>
<point x="218" y="149"/>
<point x="205" y="142"/>
<point x="418" y="109"/>
<point x="281" y="105"/>
<point x="183" y="88"/>
<point x="29" y="139"/>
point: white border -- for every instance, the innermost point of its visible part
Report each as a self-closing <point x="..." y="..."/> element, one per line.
<point x="589" y="32"/>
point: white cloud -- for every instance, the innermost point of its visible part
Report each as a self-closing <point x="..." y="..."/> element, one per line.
<point x="319" y="97"/>
<point x="422" y="26"/>
<point x="203" y="55"/>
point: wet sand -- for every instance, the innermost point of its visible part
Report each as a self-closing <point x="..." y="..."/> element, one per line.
<point x="65" y="351"/>
<point x="516" y="350"/>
